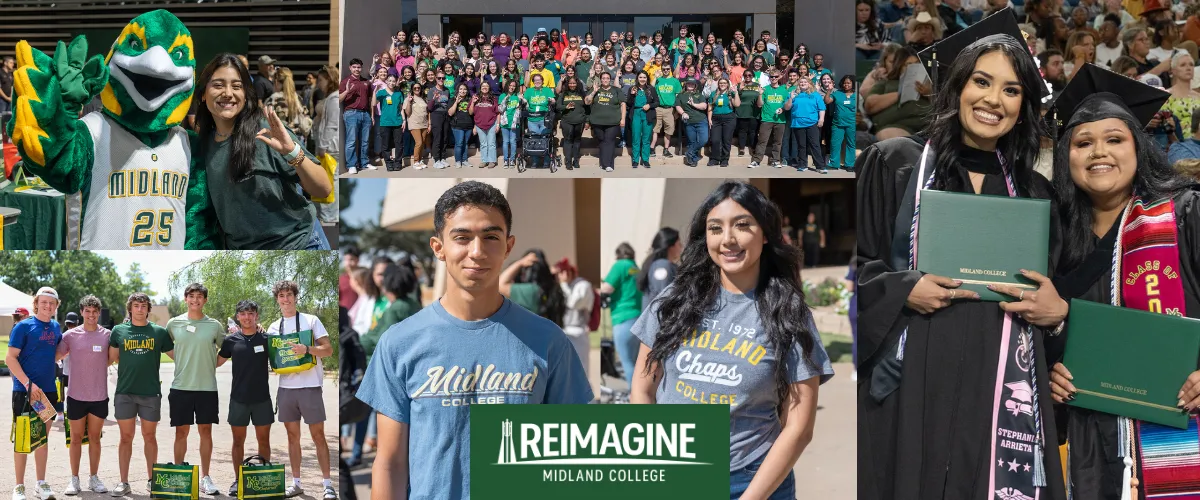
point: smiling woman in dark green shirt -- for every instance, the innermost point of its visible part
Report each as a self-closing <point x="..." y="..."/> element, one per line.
<point x="607" y="118"/>
<point x="255" y="167"/>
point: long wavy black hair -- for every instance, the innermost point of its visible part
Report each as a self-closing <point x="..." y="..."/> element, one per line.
<point x="1019" y="146"/>
<point x="553" y="303"/>
<point x="1153" y="180"/>
<point x="664" y="239"/>
<point x="696" y="289"/>
<point x="245" y="126"/>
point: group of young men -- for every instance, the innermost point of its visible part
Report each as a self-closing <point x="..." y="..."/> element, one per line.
<point x="198" y="344"/>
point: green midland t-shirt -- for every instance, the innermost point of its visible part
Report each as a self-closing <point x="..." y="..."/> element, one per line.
<point x="196" y="345"/>
<point x="527" y="295"/>
<point x="265" y="209"/>
<point x="606" y="106"/>
<point x="626" y="298"/>
<point x="539" y="101"/>
<point x="137" y="366"/>
<point x="511" y="103"/>
<point x="583" y="71"/>
<point x="749" y="95"/>
<point x="576" y="115"/>
<point x="667" y="89"/>
<point x="694" y="115"/>
<point x="773" y="99"/>
<point x="389" y="108"/>
<point x="722" y="103"/>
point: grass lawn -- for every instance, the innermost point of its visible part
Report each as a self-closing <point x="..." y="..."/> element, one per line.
<point x="838" y="346"/>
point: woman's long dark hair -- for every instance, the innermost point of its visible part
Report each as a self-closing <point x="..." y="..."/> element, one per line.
<point x="553" y="303"/>
<point x="1020" y="146"/>
<point x="1153" y="180"/>
<point x="779" y="296"/>
<point x="664" y="239"/>
<point x="245" y="126"/>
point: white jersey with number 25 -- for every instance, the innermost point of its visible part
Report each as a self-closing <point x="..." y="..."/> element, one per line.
<point x="138" y="194"/>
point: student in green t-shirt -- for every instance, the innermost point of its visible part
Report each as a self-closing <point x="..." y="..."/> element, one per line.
<point x="574" y="114"/>
<point x="399" y="282"/>
<point x="607" y="118"/>
<point x="193" y="398"/>
<point x="664" y="117"/>
<point x="626" y="306"/>
<point x="722" y="121"/>
<point x="693" y="109"/>
<point x="136" y="347"/>
<point x="391" y="123"/>
<point x="583" y="67"/>
<point x="772" y="128"/>
<point x="643" y="99"/>
<point x="510" y="128"/>
<point x="747" y="113"/>
<point x="537" y="99"/>
<point x="843" y="102"/>
<point x="538" y="291"/>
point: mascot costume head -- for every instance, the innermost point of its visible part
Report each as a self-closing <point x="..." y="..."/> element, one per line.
<point x="152" y="70"/>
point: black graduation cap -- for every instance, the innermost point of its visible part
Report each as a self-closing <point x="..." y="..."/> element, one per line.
<point x="939" y="56"/>
<point x="1095" y="93"/>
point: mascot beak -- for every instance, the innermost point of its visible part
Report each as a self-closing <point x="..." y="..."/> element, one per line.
<point x="151" y="78"/>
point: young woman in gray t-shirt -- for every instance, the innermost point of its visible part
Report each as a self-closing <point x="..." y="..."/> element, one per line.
<point x="748" y="342"/>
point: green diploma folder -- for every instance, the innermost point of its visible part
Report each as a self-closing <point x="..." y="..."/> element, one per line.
<point x="1130" y="363"/>
<point x="983" y="240"/>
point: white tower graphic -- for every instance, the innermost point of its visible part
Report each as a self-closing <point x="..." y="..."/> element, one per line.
<point x="507" y="454"/>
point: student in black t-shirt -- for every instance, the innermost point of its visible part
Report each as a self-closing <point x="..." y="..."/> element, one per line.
<point x="249" y="395"/>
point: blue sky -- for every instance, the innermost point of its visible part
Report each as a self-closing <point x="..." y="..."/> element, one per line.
<point x="157" y="270"/>
<point x="368" y="200"/>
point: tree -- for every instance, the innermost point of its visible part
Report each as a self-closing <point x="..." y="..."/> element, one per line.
<point x="176" y="306"/>
<point x="73" y="274"/>
<point x="234" y="276"/>
<point x="135" y="281"/>
<point x="345" y="194"/>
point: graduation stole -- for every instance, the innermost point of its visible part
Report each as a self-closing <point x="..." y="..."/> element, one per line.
<point x="1146" y="271"/>
<point x="1016" y="468"/>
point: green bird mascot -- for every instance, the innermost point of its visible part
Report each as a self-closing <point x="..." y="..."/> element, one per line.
<point x="126" y="170"/>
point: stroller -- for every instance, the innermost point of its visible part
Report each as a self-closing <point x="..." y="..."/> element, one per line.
<point x="538" y="150"/>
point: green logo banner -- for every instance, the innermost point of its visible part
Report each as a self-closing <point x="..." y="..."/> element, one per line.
<point x="599" y="451"/>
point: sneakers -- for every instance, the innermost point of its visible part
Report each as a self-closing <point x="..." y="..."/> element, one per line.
<point x="652" y="152"/>
<point x="351" y="170"/>
<point x="419" y="165"/>
<point x="293" y="490"/>
<point x="667" y="153"/>
<point x="440" y="164"/>
<point x="741" y="153"/>
<point x="646" y="164"/>
<point x="73" y="487"/>
<point x="753" y="164"/>
<point x="608" y="169"/>
<point x="369" y="167"/>
<point x="207" y="487"/>
<point x="44" y="492"/>
<point x="19" y="492"/>
<point x="330" y="494"/>
<point x="233" y="489"/>
<point x="96" y="485"/>
<point x="149" y="487"/>
<point x="121" y="490"/>
<point x="777" y="165"/>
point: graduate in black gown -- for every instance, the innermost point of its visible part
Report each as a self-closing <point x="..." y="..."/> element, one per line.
<point x="926" y="422"/>
<point x="1104" y="163"/>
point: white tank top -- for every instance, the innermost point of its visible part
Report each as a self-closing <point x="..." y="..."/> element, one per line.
<point x="138" y="194"/>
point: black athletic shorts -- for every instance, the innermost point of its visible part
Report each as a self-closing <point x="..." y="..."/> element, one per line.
<point x="78" y="409"/>
<point x="193" y="407"/>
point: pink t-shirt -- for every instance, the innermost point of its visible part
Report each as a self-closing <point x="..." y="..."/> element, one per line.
<point x="89" y="362"/>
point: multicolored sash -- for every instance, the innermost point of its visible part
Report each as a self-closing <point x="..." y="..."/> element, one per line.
<point x="1148" y="277"/>
<point x="1017" y="470"/>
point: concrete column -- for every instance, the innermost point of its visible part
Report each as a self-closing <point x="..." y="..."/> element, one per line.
<point x="827" y="26"/>
<point x="762" y="22"/>
<point x="430" y="24"/>
<point x="335" y="30"/>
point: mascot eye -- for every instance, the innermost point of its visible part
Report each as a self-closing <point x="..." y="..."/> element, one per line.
<point x="133" y="42"/>
<point x="178" y="54"/>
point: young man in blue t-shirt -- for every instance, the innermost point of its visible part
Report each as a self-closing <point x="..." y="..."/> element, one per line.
<point x="470" y="331"/>
<point x="31" y="351"/>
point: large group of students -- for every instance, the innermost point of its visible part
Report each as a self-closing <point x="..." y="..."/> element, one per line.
<point x="423" y="103"/>
<point x="198" y="344"/>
